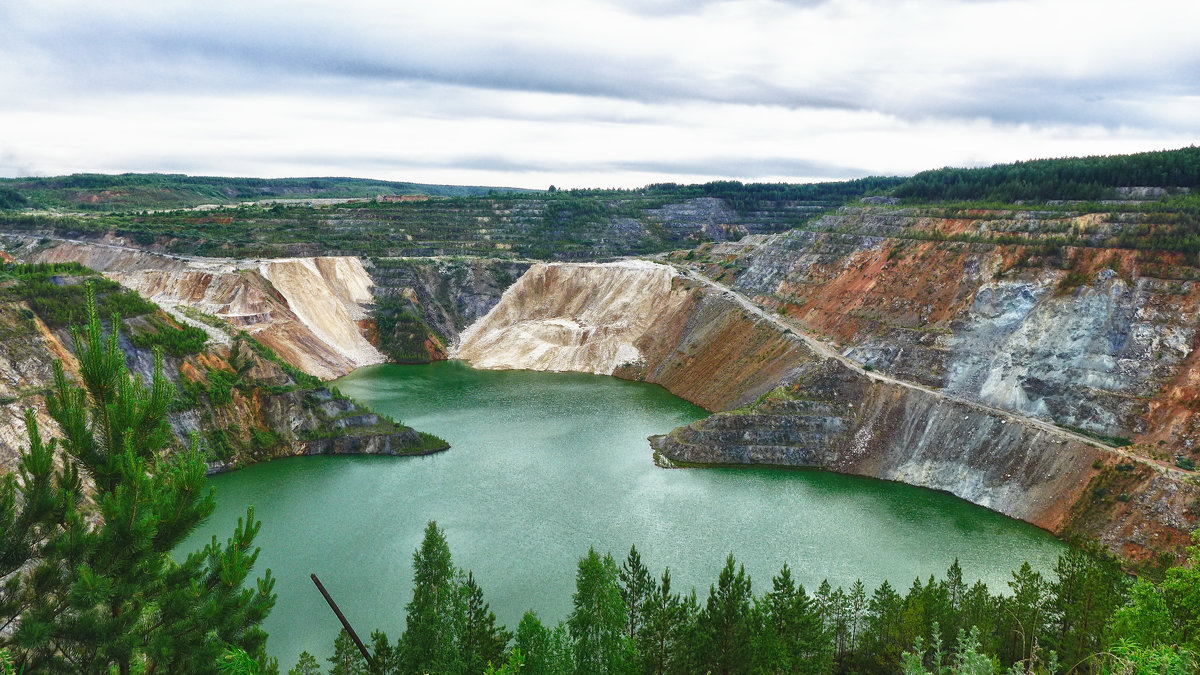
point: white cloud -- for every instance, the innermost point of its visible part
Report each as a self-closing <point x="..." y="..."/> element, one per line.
<point x="588" y="93"/>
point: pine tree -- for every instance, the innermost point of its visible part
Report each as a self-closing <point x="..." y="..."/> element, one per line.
<point x="95" y="588"/>
<point x="689" y="656"/>
<point x="433" y="616"/>
<point x="726" y="621"/>
<point x="346" y="659"/>
<point x="793" y="630"/>
<point x="636" y="587"/>
<point x="482" y="641"/>
<point x="385" y="657"/>
<point x="980" y="610"/>
<point x="1089" y="586"/>
<point x="660" y="642"/>
<point x="306" y="665"/>
<point x="884" y="645"/>
<point x="954" y="591"/>
<point x="1023" y="614"/>
<point x="858" y="606"/>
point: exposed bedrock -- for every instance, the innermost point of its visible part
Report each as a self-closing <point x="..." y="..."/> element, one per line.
<point x="786" y="403"/>
<point x="1089" y="337"/>
<point x="267" y="415"/>
<point x="308" y="310"/>
<point x="831" y="418"/>
<point x="636" y="320"/>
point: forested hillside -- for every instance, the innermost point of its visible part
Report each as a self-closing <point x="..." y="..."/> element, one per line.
<point x="149" y="210"/>
<point x="137" y="191"/>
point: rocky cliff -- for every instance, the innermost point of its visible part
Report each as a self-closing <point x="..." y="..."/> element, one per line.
<point x="792" y="400"/>
<point x="636" y="320"/>
<point x="588" y="318"/>
<point x="310" y="311"/>
<point x="986" y="306"/>
<point x="242" y="402"/>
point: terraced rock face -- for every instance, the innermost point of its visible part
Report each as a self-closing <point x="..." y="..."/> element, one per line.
<point x="789" y="403"/>
<point x="826" y="416"/>
<point x="1092" y="338"/>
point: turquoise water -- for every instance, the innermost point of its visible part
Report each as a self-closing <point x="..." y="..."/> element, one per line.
<point x="544" y="465"/>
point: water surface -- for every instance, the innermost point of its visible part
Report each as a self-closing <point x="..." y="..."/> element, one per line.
<point x="545" y="465"/>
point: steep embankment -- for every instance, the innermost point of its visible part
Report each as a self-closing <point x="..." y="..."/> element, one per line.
<point x="310" y="311"/>
<point x="712" y="347"/>
<point x="636" y="320"/>
<point x="29" y="350"/>
<point x="987" y="306"/>
<point x="241" y="401"/>
<point x="587" y="318"/>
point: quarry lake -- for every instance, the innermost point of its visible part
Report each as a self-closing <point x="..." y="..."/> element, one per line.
<point x="542" y="466"/>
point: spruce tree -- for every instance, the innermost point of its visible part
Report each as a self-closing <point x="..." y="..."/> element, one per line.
<point x="92" y="587"/>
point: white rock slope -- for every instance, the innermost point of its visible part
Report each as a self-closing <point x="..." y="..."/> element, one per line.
<point x="306" y="309"/>
<point x="586" y="318"/>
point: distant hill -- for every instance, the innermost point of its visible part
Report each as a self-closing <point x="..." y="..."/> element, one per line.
<point x="138" y="191"/>
<point x="285" y="217"/>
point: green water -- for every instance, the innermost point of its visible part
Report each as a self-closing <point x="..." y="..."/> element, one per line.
<point x="544" y="466"/>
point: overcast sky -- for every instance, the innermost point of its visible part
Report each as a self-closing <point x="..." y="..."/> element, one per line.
<point x="606" y="93"/>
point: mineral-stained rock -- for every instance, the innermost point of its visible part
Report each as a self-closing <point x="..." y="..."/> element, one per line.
<point x="788" y="403"/>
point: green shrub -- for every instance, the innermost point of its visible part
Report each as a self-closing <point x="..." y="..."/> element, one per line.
<point x="187" y="395"/>
<point x="220" y="386"/>
<point x="56" y="292"/>
<point x="263" y="439"/>
<point x="218" y="445"/>
<point x="303" y="379"/>
<point x="174" y="341"/>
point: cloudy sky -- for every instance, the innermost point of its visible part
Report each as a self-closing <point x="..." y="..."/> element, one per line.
<point x="599" y="93"/>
